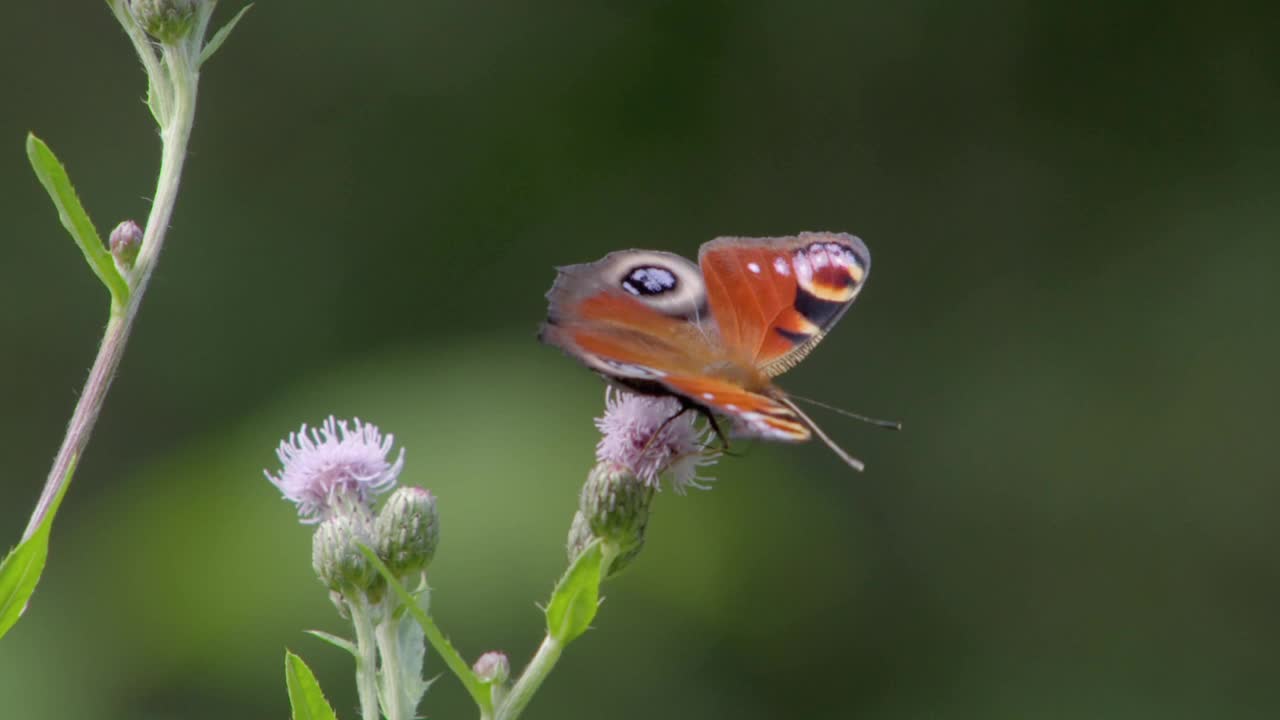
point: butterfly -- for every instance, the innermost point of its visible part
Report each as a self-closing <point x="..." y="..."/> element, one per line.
<point x="715" y="334"/>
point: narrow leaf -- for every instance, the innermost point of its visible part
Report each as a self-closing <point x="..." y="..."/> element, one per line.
<point x="221" y="36"/>
<point x="336" y="641"/>
<point x="576" y="598"/>
<point x="53" y="176"/>
<point x="305" y="697"/>
<point x="22" y="567"/>
<point x="479" y="691"/>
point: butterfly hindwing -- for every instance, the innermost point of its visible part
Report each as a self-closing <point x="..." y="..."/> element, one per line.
<point x="774" y="299"/>
<point x="752" y="413"/>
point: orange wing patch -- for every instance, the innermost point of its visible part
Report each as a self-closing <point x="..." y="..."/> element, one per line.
<point x="775" y="298"/>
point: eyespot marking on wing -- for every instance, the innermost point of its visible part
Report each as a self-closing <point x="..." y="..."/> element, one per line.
<point x="829" y="271"/>
<point x="649" y="280"/>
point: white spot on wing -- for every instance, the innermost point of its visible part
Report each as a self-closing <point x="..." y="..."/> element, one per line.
<point x="753" y="268"/>
<point x="804" y="271"/>
<point x="781" y="267"/>
<point x="708" y="396"/>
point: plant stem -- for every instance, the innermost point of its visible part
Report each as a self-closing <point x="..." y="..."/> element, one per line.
<point x="538" y="669"/>
<point x="388" y="633"/>
<point x="366" y="660"/>
<point x="174" y="136"/>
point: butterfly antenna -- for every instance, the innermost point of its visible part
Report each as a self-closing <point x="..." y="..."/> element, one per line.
<point x="852" y="461"/>
<point x="887" y="424"/>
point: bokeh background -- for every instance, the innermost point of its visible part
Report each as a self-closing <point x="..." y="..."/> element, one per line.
<point x="1073" y="211"/>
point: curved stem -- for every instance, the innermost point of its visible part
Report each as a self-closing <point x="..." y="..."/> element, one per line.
<point x="175" y="136"/>
<point x="531" y="679"/>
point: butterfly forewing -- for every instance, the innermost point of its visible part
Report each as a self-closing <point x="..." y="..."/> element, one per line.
<point x="774" y="298"/>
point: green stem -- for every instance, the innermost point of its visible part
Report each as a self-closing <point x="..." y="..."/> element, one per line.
<point x="388" y="633"/>
<point x="478" y="691"/>
<point x="175" y="135"/>
<point x="366" y="660"/>
<point x="531" y="679"/>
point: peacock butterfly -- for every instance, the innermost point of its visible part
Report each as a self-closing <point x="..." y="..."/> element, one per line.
<point x="715" y="334"/>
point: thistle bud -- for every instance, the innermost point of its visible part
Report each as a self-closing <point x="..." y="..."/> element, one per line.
<point x="616" y="504"/>
<point x="336" y="556"/>
<point x="124" y="243"/>
<point x="407" y="531"/>
<point x="614" y="507"/>
<point x="165" y="20"/>
<point x="493" y="667"/>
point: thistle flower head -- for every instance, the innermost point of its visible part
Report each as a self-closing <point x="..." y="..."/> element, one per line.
<point x="641" y="436"/>
<point x="165" y="20"/>
<point x="323" y="469"/>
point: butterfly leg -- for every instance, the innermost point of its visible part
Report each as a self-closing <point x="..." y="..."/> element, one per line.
<point x="663" y="426"/>
<point x="711" y="420"/>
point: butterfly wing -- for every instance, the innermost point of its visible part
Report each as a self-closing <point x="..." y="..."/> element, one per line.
<point x="640" y="318"/>
<point x="633" y="315"/>
<point x="752" y="413"/>
<point x="774" y="299"/>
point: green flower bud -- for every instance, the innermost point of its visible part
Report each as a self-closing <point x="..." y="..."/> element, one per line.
<point x="336" y="556"/>
<point x="493" y="667"/>
<point x="165" y="20"/>
<point x="124" y="243"/>
<point x="407" y="531"/>
<point x="614" y="506"/>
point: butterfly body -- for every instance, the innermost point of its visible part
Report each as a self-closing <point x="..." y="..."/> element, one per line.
<point x="714" y="334"/>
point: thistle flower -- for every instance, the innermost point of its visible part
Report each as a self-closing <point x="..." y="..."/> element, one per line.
<point x="323" y="469"/>
<point x="640" y="436"/>
<point x="165" y="20"/>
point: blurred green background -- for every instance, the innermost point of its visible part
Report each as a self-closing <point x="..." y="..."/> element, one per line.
<point x="1073" y="211"/>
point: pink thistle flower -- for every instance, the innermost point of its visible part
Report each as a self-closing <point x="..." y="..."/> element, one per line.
<point x="640" y="436"/>
<point x="327" y="467"/>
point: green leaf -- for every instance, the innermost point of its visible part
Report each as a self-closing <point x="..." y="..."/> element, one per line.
<point x="53" y="176"/>
<point x="576" y="597"/>
<point x="413" y="654"/>
<point x="22" y="567"/>
<point x="221" y="36"/>
<point x="336" y="641"/>
<point x="479" y="691"/>
<point x="305" y="697"/>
